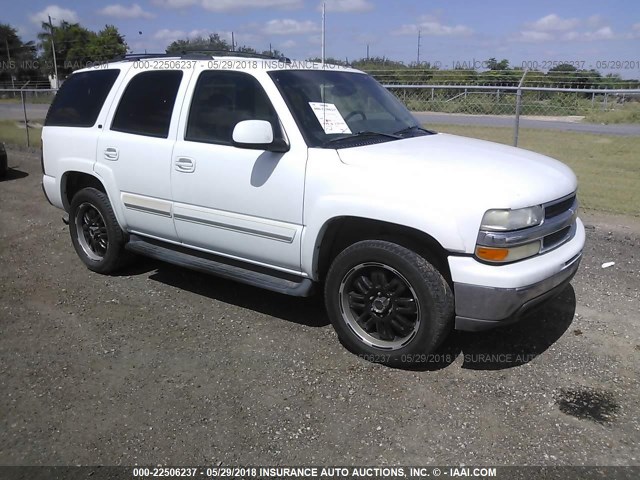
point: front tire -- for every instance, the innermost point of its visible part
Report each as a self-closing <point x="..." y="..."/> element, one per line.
<point x="96" y="235"/>
<point x="387" y="303"/>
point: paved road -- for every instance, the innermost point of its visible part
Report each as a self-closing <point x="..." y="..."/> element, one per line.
<point x="39" y="111"/>
<point x="507" y="121"/>
<point x="160" y="365"/>
<point x="14" y="111"/>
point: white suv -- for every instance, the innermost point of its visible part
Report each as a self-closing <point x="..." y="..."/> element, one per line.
<point x="288" y="175"/>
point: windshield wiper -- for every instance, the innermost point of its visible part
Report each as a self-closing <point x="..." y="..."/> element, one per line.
<point x="366" y="133"/>
<point x="414" y="128"/>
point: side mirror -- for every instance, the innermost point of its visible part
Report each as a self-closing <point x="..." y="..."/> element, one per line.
<point x="258" y="135"/>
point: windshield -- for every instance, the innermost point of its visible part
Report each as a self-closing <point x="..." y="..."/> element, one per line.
<point x="344" y="109"/>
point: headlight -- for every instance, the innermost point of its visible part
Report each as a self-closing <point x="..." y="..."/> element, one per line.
<point x="503" y="220"/>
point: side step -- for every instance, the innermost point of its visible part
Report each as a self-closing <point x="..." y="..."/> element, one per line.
<point x="212" y="264"/>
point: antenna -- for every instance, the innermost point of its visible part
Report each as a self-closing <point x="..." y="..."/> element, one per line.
<point x="323" y="29"/>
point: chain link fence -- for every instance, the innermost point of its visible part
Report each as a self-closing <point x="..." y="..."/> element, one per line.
<point x="600" y="106"/>
<point x="500" y="100"/>
<point x="22" y="113"/>
<point x="596" y="131"/>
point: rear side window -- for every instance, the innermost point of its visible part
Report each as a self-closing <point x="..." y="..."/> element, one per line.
<point x="147" y="104"/>
<point x="80" y="99"/>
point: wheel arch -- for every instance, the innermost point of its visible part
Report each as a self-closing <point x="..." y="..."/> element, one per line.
<point x="73" y="181"/>
<point x="340" y="232"/>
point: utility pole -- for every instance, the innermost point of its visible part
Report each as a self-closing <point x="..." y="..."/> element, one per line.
<point x="53" y="49"/>
<point x="233" y="43"/>
<point x="419" y="35"/>
<point x="6" y="44"/>
<point x="367" y="52"/>
<point x="323" y="37"/>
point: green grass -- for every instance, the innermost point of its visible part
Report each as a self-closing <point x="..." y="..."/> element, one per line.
<point x="607" y="167"/>
<point x="630" y="113"/>
<point x="12" y="134"/>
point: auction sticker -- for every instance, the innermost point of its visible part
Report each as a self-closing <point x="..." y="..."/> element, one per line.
<point x="329" y="117"/>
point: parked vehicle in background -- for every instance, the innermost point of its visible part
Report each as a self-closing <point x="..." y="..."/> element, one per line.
<point x="293" y="176"/>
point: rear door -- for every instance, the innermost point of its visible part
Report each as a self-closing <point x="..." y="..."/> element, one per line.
<point x="134" y="150"/>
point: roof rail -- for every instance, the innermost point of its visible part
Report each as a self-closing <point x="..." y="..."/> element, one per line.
<point x="132" y="57"/>
<point x="197" y="54"/>
<point x="204" y="52"/>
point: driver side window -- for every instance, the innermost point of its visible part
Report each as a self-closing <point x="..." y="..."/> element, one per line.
<point x="221" y="100"/>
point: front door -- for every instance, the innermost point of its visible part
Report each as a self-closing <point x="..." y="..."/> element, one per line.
<point x="238" y="202"/>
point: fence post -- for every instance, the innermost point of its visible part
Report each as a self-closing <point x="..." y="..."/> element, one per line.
<point x="24" y="111"/>
<point x="516" y="126"/>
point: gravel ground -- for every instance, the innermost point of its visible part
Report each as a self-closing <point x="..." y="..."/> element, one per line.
<point x="161" y="365"/>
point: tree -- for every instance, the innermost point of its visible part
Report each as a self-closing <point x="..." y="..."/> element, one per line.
<point x="493" y="64"/>
<point x="212" y="42"/>
<point x="563" y="67"/>
<point x="71" y="41"/>
<point x="77" y="47"/>
<point x="18" y="59"/>
<point x="107" y="44"/>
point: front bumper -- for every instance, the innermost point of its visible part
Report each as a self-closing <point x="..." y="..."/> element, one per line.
<point x="489" y="296"/>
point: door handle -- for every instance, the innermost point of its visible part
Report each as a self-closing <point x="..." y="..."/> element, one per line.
<point x="111" y="153"/>
<point x="185" y="165"/>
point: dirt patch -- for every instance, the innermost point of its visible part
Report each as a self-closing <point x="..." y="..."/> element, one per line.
<point x="160" y="365"/>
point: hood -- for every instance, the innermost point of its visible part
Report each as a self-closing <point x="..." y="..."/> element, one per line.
<point x="504" y="176"/>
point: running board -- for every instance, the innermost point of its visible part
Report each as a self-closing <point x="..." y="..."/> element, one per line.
<point x="205" y="263"/>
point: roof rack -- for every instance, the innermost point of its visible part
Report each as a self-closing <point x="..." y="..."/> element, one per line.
<point x="132" y="57"/>
<point x="204" y="52"/>
<point x="198" y="54"/>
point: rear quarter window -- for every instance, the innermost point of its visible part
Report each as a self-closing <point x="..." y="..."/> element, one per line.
<point x="79" y="100"/>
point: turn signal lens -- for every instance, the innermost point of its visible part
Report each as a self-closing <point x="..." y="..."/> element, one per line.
<point x="492" y="254"/>
<point x="502" y="255"/>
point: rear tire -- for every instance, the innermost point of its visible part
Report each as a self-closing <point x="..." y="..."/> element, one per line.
<point x="96" y="235"/>
<point x="387" y="303"/>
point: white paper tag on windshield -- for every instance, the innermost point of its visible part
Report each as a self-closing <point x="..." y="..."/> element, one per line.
<point x="329" y="117"/>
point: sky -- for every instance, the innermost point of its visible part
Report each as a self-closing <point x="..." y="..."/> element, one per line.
<point x="453" y="32"/>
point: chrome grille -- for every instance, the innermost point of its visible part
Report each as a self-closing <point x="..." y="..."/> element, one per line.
<point x="564" y="207"/>
<point x="555" y="208"/>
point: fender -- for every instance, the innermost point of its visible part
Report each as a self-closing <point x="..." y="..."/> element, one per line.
<point x="440" y="226"/>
